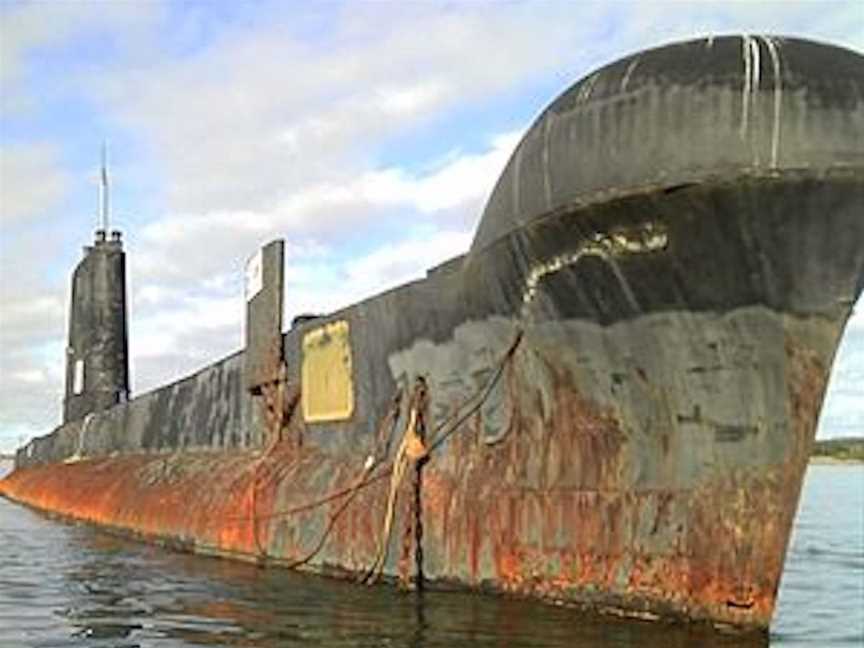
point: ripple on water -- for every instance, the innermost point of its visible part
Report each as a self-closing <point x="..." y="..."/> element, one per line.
<point x="821" y="601"/>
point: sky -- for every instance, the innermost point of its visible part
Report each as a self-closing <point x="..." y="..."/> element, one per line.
<point x="366" y="134"/>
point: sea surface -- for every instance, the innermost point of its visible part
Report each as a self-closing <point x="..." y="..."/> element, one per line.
<point x="64" y="585"/>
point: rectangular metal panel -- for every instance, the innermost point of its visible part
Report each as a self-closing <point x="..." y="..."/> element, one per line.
<point x="328" y="386"/>
<point x="254" y="276"/>
<point x="78" y="379"/>
<point x="264" y="297"/>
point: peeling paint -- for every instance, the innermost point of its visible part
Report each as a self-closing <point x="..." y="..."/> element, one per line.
<point x="774" y="51"/>
<point x="626" y="78"/>
<point x="643" y="239"/>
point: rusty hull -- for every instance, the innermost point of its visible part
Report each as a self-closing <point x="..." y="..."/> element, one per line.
<point x="549" y="511"/>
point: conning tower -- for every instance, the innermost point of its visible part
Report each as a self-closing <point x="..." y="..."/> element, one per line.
<point x="97" y="355"/>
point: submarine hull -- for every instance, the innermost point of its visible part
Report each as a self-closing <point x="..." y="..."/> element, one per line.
<point x="647" y="466"/>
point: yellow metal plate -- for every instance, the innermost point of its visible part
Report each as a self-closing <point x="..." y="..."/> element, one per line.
<point x="328" y="387"/>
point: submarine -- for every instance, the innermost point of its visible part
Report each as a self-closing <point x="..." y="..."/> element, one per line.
<point x="608" y="401"/>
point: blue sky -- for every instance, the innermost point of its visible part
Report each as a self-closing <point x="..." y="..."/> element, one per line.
<point x="368" y="135"/>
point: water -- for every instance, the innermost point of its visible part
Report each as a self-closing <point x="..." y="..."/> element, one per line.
<point x="63" y="586"/>
<point x="822" y="592"/>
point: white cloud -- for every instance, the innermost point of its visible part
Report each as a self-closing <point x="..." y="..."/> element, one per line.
<point x="190" y="248"/>
<point x="24" y="320"/>
<point x="256" y="117"/>
<point x="839" y="22"/>
<point x="843" y="410"/>
<point x="26" y="27"/>
<point x="410" y="100"/>
<point x="33" y="182"/>
<point x="32" y="394"/>
<point x="189" y="311"/>
<point x="462" y="181"/>
<point x="388" y="266"/>
<point x="31" y="335"/>
<point x="30" y="376"/>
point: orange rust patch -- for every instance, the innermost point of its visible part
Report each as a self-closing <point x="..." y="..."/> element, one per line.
<point x="215" y="502"/>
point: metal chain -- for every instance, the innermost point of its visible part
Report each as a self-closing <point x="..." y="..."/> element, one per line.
<point x="418" y="490"/>
<point x="418" y="523"/>
<point x="404" y="566"/>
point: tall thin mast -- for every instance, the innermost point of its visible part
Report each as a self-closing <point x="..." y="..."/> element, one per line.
<point x="104" y="194"/>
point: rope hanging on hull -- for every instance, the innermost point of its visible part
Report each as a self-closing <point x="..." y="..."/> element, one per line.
<point x="413" y="450"/>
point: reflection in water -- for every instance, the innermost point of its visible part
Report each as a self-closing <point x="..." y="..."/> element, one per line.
<point x="64" y="585"/>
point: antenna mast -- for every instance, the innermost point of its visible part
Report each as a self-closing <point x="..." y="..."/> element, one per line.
<point x="104" y="195"/>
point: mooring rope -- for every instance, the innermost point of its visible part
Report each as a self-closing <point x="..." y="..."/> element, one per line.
<point x="82" y="431"/>
<point x="395" y="470"/>
<point x="411" y="450"/>
<point x="481" y="395"/>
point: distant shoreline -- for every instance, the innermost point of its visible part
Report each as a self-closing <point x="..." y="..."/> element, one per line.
<point x="821" y="460"/>
<point x="845" y="450"/>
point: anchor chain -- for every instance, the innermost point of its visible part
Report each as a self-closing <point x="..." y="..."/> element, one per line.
<point x="413" y="528"/>
<point x="418" y="523"/>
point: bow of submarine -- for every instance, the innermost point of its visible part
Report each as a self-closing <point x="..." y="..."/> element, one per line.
<point x="682" y="244"/>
